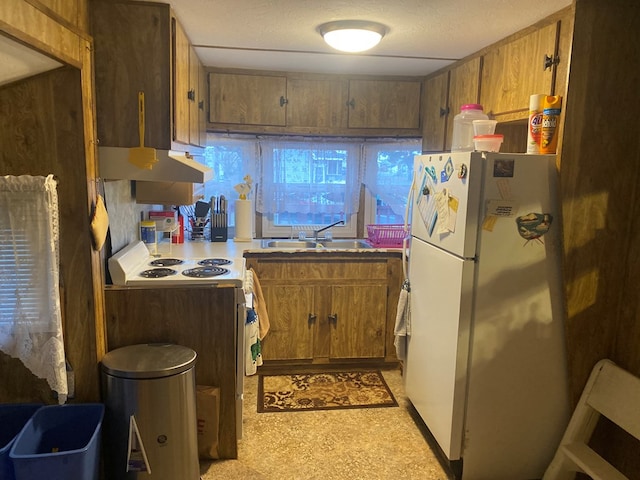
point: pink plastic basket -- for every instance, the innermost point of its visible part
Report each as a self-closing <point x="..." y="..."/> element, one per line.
<point x="386" y="236"/>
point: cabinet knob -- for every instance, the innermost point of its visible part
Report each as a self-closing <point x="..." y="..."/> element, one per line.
<point x="312" y="318"/>
<point x="191" y="95"/>
<point x="201" y="105"/>
<point x="333" y="317"/>
<point x="283" y="101"/>
<point x="550" y="61"/>
<point x="444" y="111"/>
<point x="352" y="103"/>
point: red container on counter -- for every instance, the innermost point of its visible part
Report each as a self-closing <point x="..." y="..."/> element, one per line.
<point x="177" y="236"/>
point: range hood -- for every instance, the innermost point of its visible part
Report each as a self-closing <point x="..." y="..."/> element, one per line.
<point x="172" y="166"/>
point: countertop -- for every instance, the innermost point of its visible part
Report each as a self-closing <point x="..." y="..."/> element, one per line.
<point x="236" y="250"/>
<point x="189" y="249"/>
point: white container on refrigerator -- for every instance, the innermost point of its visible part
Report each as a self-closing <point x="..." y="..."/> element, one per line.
<point x="486" y="361"/>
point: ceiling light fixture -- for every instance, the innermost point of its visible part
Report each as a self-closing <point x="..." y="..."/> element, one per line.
<point x="352" y="35"/>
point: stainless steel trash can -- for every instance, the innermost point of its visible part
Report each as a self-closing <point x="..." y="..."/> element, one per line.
<point x="150" y="425"/>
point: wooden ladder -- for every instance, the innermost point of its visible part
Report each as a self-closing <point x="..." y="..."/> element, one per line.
<point x="612" y="392"/>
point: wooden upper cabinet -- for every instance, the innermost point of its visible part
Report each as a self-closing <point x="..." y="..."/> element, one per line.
<point x="181" y="49"/>
<point x="464" y="87"/>
<point x="384" y="104"/>
<point x="247" y="99"/>
<point x="317" y="103"/>
<point x="201" y="100"/>
<point x="73" y="12"/>
<point x="512" y="72"/>
<point x="323" y="104"/>
<point x="195" y="97"/>
<point x="132" y="45"/>
<point x="141" y="46"/>
<point x="188" y="107"/>
<point x="436" y="108"/>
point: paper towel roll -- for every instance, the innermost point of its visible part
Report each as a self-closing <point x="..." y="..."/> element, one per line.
<point x="244" y="221"/>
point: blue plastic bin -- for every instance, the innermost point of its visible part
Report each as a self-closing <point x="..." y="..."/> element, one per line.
<point x="13" y="416"/>
<point x="59" y="442"/>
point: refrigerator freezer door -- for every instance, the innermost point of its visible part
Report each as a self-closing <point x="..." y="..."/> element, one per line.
<point x="438" y="348"/>
<point x="447" y="200"/>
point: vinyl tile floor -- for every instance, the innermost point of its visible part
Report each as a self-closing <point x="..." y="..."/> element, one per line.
<point x="353" y="444"/>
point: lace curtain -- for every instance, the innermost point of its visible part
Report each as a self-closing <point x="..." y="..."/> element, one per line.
<point x="30" y="315"/>
<point x="389" y="172"/>
<point x="309" y="177"/>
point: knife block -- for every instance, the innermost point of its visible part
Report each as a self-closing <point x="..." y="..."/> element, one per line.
<point x="219" y="234"/>
<point x="219" y="227"/>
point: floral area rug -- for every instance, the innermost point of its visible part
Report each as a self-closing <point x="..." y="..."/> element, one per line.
<point x="323" y="391"/>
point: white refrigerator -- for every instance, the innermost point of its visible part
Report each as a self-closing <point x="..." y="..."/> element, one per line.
<point x="486" y="359"/>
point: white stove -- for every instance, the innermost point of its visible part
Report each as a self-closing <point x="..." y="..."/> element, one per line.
<point x="135" y="266"/>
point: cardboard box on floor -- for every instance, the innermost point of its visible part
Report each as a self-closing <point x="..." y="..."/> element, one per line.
<point x="208" y="414"/>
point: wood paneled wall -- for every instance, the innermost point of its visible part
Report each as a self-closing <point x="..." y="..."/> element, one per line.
<point x="600" y="174"/>
<point x="42" y="132"/>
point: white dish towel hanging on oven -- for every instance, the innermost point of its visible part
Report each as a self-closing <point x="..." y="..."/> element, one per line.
<point x="30" y="316"/>
<point x="257" y="322"/>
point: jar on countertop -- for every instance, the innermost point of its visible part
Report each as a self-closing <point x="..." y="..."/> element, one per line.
<point x="148" y="232"/>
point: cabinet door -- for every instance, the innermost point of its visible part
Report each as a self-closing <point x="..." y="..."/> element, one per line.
<point x="358" y="321"/>
<point x="132" y="44"/>
<point x="464" y="87"/>
<point x="435" y="113"/>
<point x="247" y="99"/>
<point x="291" y="332"/>
<point x="181" y="52"/>
<point x="196" y="106"/>
<point x="514" y="71"/>
<point x="316" y="103"/>
<point x="384" y="104"/>
<point x="202" y="103"/>
<point x="69" y="10"/>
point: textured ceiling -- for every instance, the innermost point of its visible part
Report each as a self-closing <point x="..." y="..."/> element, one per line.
<point x="422" y="35"/>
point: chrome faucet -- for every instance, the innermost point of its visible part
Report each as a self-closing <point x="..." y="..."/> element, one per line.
<point x="316" y="232"/>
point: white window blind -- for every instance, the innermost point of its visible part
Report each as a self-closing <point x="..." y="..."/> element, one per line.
<point x="30" y="316"/>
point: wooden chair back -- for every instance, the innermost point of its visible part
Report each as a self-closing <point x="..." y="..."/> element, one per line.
<point x="612" y="392"/>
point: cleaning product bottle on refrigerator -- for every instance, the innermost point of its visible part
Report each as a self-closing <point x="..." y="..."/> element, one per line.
<point x="534" y="131"/>
<point x="551" y="108"/>
<point x="462" y="137"/>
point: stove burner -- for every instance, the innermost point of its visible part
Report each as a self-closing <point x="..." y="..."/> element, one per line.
<point x="166" y="262"/>
<point x="210" y="262"/>
<point x="158" y="272"/>
<point x="204" y="272"/>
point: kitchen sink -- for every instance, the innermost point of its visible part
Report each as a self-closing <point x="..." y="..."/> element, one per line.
<point x="287" y="244"/>
<point x="344" y="244"/>
<point x="326" y="244"/>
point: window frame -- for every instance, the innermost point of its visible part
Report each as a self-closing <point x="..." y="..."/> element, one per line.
<point x="367" y="194"/>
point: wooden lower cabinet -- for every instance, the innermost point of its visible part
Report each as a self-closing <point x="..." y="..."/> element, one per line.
<point x="330" y="309"/>
<point x="291" y="334"/>
<point x="357" y="321"/>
